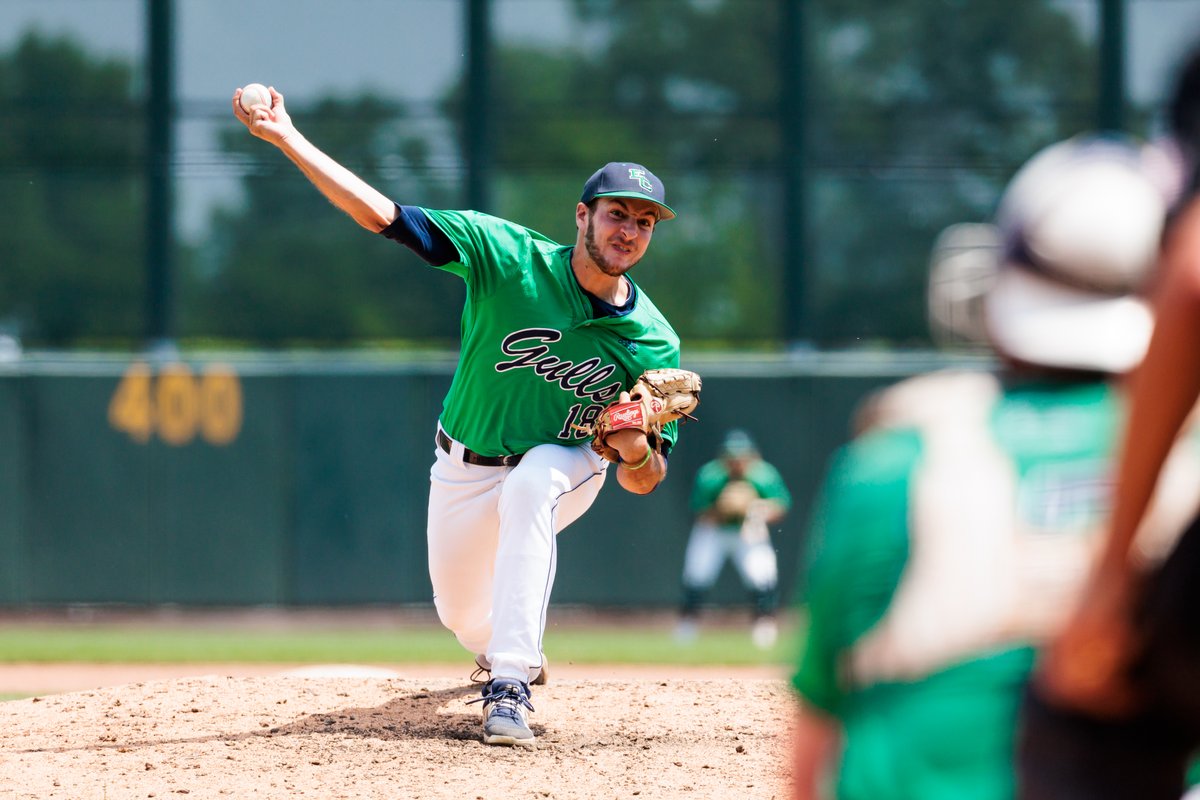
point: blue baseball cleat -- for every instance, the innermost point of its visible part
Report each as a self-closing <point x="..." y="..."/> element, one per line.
<point x="505" y="704"/>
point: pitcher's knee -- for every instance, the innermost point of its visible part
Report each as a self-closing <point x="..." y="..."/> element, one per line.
<point x="531" y="489"/>
<point x="470" y="625"/>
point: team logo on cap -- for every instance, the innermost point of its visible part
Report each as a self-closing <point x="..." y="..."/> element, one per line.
<point x="639" y="175"/>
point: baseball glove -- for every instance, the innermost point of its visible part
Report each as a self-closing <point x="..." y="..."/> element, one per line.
<point x="735" y="500"/>
<point x="657" y="397"/>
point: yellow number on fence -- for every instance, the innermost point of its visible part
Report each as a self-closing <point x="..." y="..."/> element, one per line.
<point x="220" y="405"/>
<point x="176" y="404"/>
<point x="130" y="409"/>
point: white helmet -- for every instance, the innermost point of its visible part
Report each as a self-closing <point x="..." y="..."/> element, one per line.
<point x="962" y="269"/>
<point x="1080" y="225"/>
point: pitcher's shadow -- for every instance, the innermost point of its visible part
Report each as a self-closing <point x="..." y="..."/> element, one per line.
<point x="418" y="714"/>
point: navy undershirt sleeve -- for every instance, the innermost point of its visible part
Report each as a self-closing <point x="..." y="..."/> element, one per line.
<point x="413" y="229"/>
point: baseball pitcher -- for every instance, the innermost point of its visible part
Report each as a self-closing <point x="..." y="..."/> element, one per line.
<point x="566" y="367"/>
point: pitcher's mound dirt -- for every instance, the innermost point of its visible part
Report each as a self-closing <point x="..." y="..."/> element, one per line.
<point x="390" y="738"/>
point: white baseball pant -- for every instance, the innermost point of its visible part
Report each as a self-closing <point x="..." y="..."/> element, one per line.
<point x="709" y="545"/>
<point x="493" y="550"/>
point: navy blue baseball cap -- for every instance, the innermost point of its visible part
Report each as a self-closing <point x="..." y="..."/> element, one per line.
<point x="623" y="179"/>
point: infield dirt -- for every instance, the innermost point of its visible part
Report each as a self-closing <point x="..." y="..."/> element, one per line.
<point x="284" y="736"/>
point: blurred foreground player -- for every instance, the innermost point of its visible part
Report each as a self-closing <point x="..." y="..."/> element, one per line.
<point x="1115" y="710"/>
<point x="952" y="533"/>
<point x="552" y="336"/>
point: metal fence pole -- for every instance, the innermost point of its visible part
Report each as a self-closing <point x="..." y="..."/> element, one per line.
<point x="1111" y="96"/>
<point x="477" y="115"/>
<point x="793" y="121"/>
<point x="160" y="128"/>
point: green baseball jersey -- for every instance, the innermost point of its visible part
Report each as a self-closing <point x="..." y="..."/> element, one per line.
<point x="534" y="363"/>
<point x="940" y="555"/>
<point x="714" y="476"/>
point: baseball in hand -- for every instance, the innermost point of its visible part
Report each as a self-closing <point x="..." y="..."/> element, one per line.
<point x="254" y="94"/>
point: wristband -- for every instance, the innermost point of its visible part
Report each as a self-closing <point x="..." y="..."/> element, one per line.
<point x="640" y="464"/>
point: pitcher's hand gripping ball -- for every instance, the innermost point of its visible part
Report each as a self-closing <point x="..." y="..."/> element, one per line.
<point x="254" y="94"/>
<point x="658" y="397"/>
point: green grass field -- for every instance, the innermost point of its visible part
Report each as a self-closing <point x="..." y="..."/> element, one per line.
<point x="574" y="643"/>
<point x="350" y="639"/>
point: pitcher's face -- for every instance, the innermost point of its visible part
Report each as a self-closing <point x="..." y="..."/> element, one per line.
<point x="616" y="232"/>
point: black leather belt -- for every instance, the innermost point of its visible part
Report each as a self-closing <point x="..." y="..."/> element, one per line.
<point x="474" y="458"/>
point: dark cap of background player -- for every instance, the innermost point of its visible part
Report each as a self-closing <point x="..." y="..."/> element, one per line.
<point x="738" y="444"/>
<point x="625" y="179"/>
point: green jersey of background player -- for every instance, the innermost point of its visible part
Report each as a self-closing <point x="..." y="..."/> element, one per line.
<point x="936" y="567"/>
<point x="551" y="334"/>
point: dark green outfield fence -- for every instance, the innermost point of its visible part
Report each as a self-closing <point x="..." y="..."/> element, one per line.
<point x="302" y="481"/>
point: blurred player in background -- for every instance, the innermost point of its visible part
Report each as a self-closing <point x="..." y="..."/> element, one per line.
<point x="736" y="498"/>
<point x="952" y="533"/>
<point x="551" y="335"/>
<point x="1115" y="711"/>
